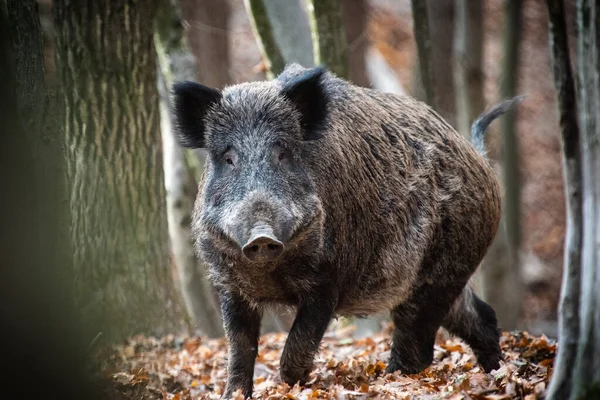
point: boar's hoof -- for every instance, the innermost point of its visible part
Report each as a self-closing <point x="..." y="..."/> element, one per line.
<point x="397" y="365"/>
<point x="291" y="376"/>
<point x="489" y="362"/>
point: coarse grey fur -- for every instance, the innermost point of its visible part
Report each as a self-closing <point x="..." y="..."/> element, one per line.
<point x="368" y="201"/>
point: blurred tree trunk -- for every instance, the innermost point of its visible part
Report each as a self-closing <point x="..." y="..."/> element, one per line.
<point x="207" y="24"/>
<point x="41" y="332"/>
<point x="586" y="378"/>
<point x="468" y="77"/>
<point x="468" y="59"/>
<point x="108" y="73"/>
<point x="501" y="271"/>
<point x="356" y="14"/>
<point x="441" y="20"/>
<point x="330" y="45"/>
<point x="562" y="377"/>
<point x="422" y="35"/>
<point x="282" y="33"/>
<point x="176" y="63"/>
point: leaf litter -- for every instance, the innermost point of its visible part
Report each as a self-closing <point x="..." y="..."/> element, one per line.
<point x="185" y="368"/>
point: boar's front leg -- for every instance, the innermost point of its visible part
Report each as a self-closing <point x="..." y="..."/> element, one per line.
<point x="314" y="315"/>
<point x="242" y="328"/>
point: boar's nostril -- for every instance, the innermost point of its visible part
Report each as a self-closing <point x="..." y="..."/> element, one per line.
<point x="262" y="248"/>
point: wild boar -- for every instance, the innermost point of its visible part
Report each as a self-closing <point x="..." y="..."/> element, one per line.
<point x="339" y="200"/>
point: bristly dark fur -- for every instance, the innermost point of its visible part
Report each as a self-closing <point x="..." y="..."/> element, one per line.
<point x="390" y="209"/>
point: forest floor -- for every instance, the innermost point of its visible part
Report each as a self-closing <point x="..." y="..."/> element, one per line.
<point x="195" y="368"/>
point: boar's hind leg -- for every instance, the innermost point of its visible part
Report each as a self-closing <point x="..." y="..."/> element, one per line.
<point x="305" y="336"/>
<point x="416" y="322"/>
<point x="242" y="328"/>
<point x="475" y="322"/>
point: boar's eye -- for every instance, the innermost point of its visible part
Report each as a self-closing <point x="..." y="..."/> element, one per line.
<point x="230" y="157"/>
<point x="282" y="155"/>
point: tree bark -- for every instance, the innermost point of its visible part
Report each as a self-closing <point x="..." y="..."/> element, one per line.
<point x="176" y="63"/>
<point x="36" y="304"/>
<point x="586" y="377"/>
<point x="562" y="377"/>
<point x="441" y="20"/>
<point x="106" y="64"/>
<point x="424" y="49"/>
<point x="328" y="35"/>
<point x="468" y="58"/>
<point x="356" y="14"/>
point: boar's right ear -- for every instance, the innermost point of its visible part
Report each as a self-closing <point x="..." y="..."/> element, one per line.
<point x="191" y="103"/>
<point x="306" y="92"/>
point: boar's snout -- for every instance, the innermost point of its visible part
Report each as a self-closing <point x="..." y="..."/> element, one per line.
<point x="263" y="245"/>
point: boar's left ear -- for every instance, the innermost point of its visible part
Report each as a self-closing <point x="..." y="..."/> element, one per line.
<point x="307" y="93"/>
<point x="191" y="104"/>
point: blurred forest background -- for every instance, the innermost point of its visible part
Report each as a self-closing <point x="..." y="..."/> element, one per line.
<point x="103" y="83"/>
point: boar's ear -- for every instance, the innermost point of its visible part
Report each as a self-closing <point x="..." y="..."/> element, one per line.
<point x="307" y="93"/>
<point x="191" y="103"/>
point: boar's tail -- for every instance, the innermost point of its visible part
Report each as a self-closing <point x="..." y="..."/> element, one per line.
<point x="481" y="124"/>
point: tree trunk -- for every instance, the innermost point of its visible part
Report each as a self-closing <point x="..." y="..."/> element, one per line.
<point x="508" y="89"/>
<point x="291" y="30"/>
<point x="282" y="32"/>
<point x="176" y="63"/>
<point x="356" y="14"/>
<point x="441" y="22"/>
<point x="468" y="58"/>
<point x="468" y="77"/>
<point x="501" y="268"/>
<point x="328" y="35"/>
<point x="106" y="64"/>
<point x="562" y="377"/>
<point x="36" y="304"/>
<point x="265" y="37"/>
<point x="207" y="25"/>
<point x="422" y="35"/>
<point x="586" y="378"/>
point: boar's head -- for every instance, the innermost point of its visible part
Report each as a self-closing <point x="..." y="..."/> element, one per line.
<point x="259" y="202"/>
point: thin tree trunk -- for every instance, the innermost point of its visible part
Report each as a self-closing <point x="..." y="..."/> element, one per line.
<point x="424" y="49"/>
<point x="562" y="377"/>
<point x="468" y="77"/>
<point x="36" y="304"/>
<point x="468" y="58"/>
<point x="356" y="14"/>
<point x="265" y="37"/>
<point x="508" y="89"/>
<point x="107" y="67"/>
<point x="282" y="32"/>
<point x="291" y="31"/>
<point x="586" y="376"/>
<point x="501" y="267"/>
<point x="441" y="23"/>
<point x="329" y="37"/>
<point x="207" y="25"/>
<point x="176" y="63"/>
